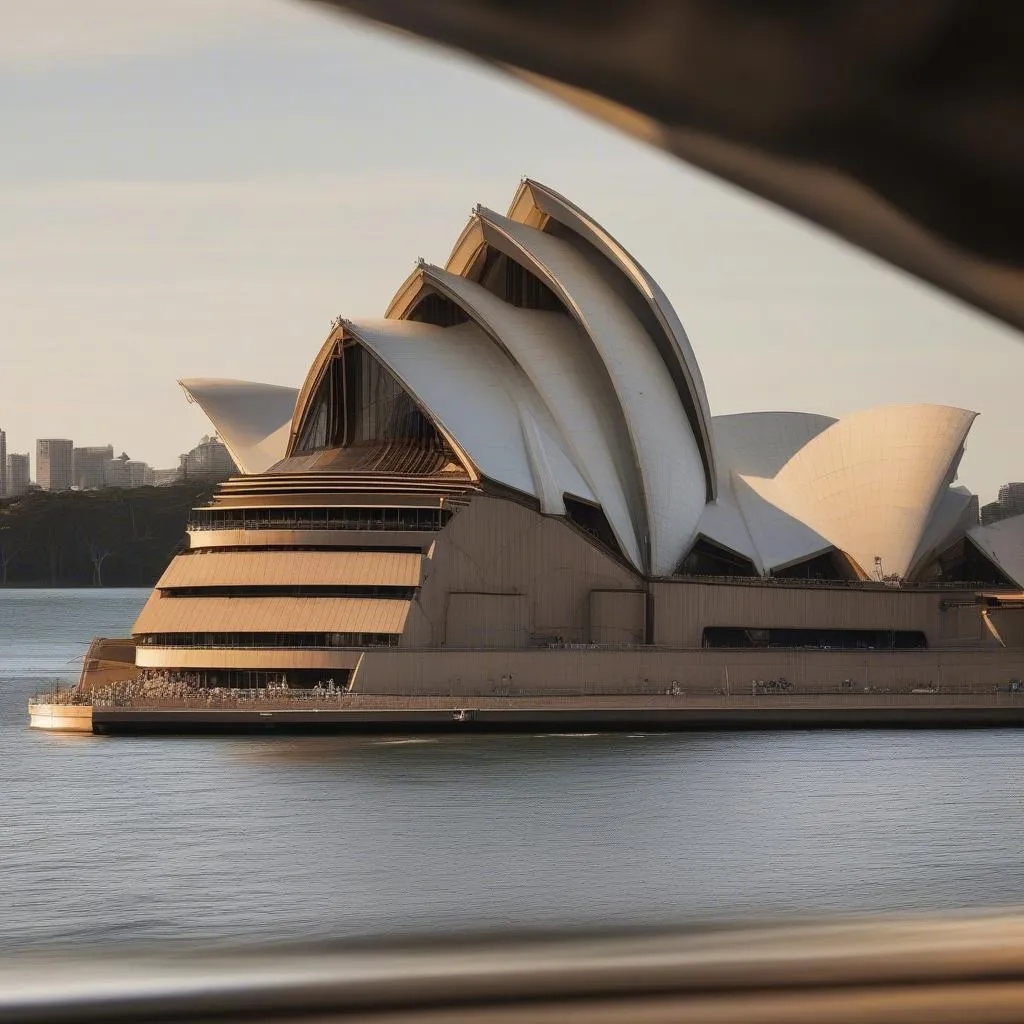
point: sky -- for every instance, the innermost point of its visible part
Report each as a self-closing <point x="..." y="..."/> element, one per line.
<point x="196" y="188"/>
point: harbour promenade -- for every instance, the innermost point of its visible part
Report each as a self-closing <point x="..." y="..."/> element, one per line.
<point x="307" y="711"/>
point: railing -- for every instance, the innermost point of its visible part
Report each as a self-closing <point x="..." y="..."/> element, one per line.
<point x="62" y="696"/>
<point x="276" y="699"/>
<point x="195" y="526"/>
<point x="270" y="646"/>
<point x="740" y="652"/>
<point x="785" y="581"/>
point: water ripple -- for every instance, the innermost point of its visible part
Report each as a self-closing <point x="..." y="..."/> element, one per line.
<point x="147" y="840"/>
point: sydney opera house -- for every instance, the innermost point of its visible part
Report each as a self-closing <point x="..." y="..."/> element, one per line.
<point x="512" y="483"/>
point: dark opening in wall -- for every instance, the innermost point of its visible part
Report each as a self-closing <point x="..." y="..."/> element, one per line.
<point x="332" y="517"/>
<point x="378" y="408"/>
<point x="592" y="520"/>
<point x="359" y="402"/>
<point x="438" y="310"/>
<point x="830" y="565"/>
<point x="394" y="593"/>
<point x="258" y="679"/>
<point x="965" y="562"/>
<point x="323" y="424"/>
<point x="513" y="283"/>
<point x="396" y="549"/>
<point x="818" y="639"/>
<point x="248" y="641"/>
<point x="706" y="558"/>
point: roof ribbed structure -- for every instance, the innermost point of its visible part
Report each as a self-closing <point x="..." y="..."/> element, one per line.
<point x="543" y="363"/>
<point x="538" y="206"/>
<point x="870" y="482"/>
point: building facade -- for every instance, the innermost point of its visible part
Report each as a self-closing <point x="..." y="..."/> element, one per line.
<point x="88" y="466"/>
<point x="1009" y="503"/>
<point x="210" y="460"/>
<point x="55" y="463"/>
<point x="139" y="473"/>
<point x="513" y="483"/>
<point x="19" y="476"/>
<point x="3" y="465"/>
<point x="166" y="477"/>
<point x="116" y="472"/>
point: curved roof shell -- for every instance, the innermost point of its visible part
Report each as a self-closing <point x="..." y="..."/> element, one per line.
<point x="538" y="206"/>
<point x="551" y="363"/>
<point x="253" y="420"/>
<point x="665" y="451"/>
<point x="759" y="443"/>
<point x="563" y="368"/>
<point x="1003" y="543"/>
<point x="952" y="518"/>
<point x="482" y="400"/>
<point x="870" y="482"/>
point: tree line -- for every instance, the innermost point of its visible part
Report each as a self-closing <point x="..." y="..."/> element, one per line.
<point x="109" y="538"/>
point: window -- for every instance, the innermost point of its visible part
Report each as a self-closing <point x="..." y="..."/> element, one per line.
<point x="706" y="558"/>
<point x="817" y="639"/>
<point x="592" y="520"/>
<point x="359" y="401"/>
<point x="332" y="518"/>
<point x="294" y="590"/>
<point x="267" y="640"/>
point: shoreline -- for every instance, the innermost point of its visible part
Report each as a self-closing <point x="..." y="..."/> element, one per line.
<point x="75" y="586"/>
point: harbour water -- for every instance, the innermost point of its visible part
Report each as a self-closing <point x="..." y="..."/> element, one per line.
<point x="129" y="842"/>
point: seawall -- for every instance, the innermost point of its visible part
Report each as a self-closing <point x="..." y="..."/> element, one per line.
<point x="61" y="717"/>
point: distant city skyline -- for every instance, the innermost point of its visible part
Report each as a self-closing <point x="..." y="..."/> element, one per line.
<point x="30" y="448"/>
<point x="59" y="464"/>
<point x="198" y="189"/>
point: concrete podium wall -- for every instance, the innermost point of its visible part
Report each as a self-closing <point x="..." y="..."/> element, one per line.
<point x="650" y="670"/>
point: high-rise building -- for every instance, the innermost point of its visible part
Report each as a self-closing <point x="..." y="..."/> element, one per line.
<point x="209" y="460"/>
<point x="3" y="464"/>
<point x="116" y="472"/>
<point x="54" y="463"/>
<point x="1011" y="497"/>
<point x="138" y="473"/>
<point x="19" y="477"/>
<point x="87" y="466"/>
<point x="973" y="511"/>
<point x="1009" y="503"/>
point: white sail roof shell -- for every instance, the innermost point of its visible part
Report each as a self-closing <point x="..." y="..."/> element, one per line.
<point x="1003" y="542"/>
<point x="759" y="443"/>
<point x="535" y="201"/>
<point x="665" y="450"/>
<point x="603" y="401"/>
<point x="951" y="519"/>
<point x="870" y="482"/>
<point x="563" y="368"/>
<point x="482" y="400"/>
<point x="253" y="420"/>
